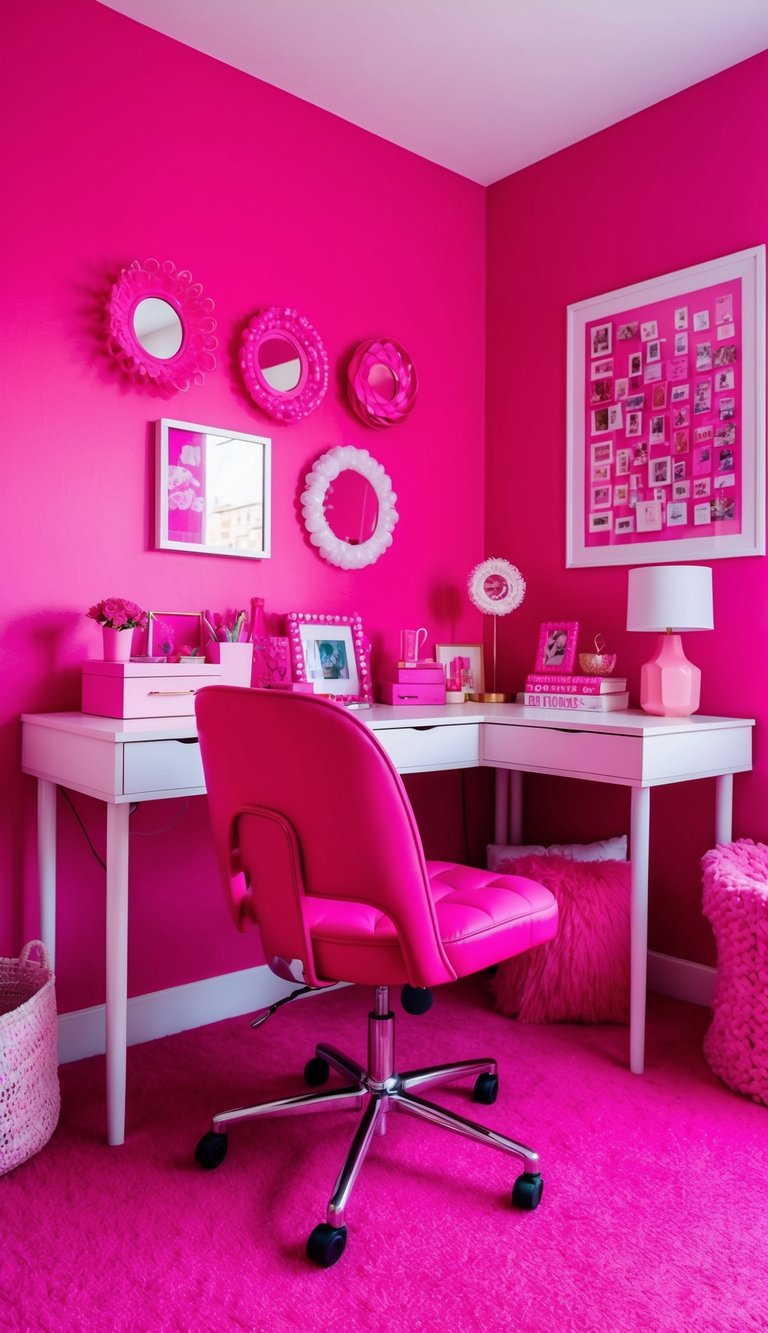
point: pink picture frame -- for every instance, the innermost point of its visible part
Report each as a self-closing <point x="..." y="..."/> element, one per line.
<point x="333" y="653"/>
<point x="557" y="646"/>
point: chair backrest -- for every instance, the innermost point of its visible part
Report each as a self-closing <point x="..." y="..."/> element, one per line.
<point x="305" y="803"/>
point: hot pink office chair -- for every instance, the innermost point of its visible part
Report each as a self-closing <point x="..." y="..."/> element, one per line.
<point x="317" y="845"/>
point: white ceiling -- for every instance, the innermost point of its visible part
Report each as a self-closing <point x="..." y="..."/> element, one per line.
<point x="483" y="87"/>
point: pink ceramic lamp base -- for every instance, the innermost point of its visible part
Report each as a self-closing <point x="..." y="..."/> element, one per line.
<point x="670" y="685"/>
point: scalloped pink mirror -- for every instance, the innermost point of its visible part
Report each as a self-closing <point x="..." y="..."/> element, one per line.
<point x="284" y="364"/>
<point x="381" y="382"/>
<point x="161" y="326"/>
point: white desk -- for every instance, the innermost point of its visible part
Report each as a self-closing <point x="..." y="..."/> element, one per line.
<point x="148" y="760"/>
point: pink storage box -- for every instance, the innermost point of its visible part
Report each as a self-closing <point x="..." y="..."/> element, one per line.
<point x="429" y="692"/>
<point x="421" y="675"/>
<point x="145" y="689"/>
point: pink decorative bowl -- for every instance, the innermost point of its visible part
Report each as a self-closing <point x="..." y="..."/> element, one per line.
<point x="597" y="664"/>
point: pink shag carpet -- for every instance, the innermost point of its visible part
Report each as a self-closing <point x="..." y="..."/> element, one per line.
<point x="582" y="975"/>
<point x="653" y="1216"/>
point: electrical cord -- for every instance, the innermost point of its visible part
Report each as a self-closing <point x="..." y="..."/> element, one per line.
<point x="135" y="833"/>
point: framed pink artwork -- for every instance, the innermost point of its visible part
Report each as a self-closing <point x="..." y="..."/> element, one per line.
<point x="557" y="646"/>
<point x="666" y="417"/>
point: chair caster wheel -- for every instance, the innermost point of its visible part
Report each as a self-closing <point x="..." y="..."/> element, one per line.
<point x="486" y="1088"/>
<point x="211" y="1150"/>
<point x="416" y="999"/>
<point x="316" y="1071"/>
<point x="526" y="1191"/>
<point x="326" y="1244"/>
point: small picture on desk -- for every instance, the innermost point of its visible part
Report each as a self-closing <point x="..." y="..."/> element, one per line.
<point x="331" y="652"/>
<point x="463" y="664"/>
<point x="174" y="634"/>
<point x="557" y="646"/>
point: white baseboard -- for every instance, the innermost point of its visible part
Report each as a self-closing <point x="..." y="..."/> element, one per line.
<point x="82" y="1033"/>
<point x="678" y="977"/>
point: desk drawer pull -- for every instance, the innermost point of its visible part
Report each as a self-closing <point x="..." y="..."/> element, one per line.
<point x="169" y="694"/>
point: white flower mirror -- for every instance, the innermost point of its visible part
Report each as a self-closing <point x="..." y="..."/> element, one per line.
<point x="349" y="507"/>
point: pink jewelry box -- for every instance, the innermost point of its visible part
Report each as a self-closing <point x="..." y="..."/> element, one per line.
<point x="425" y="673"/>
<point x="419" y="692"/>
<point x="145" y="689"/>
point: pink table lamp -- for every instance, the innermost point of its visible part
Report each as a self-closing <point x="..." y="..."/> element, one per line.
<point x="668" y="599"/>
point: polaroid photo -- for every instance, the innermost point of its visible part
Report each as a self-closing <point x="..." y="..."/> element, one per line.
<point x="622" y="389"/>
<point x="702" y="397"/>
<point x="600" y="472"/>
<point x="601" y="391"/>
<point x="724" y="379"/>
<point x="600" y="424"/>
<point x="634" y="424"/>
<point x="681" y="441"/>
<point x="727" y="408"/>
<point x="621" y="494"/>
<point x="601" y="497"/>
<point x="649" y="330"/>
<point x="658" y="430"/>
<point x="659" y="493"/>
<point x="681" y="416"/>
<point x="700" y="320"/>
<point x="677" y="514"/>
<point x="660" y="471"/>
<point x="623" y="526"/>
<point x="622" y="462"/>
<point x="702" y="433"/>
<point x="602" y="452"/>
<point x="727" y="479"/>
<point x="723" y="507"/>
<point x="615" y="417"/>
<point x="724" y="308"/>
<point x="702" y="514"/>
<point x="726" y="331"/>
<point x="677" y="370"/>
<point x="635" y="364"/>
<point x="634" y="482"/>
<point x="681" y="344"/>
<point x="725" y="460"/>
<point x="725" y="356"/>
<point x="681" y="490"/>
<point x="648" y="516"/>
<point x="626" y="332"/>
<point x="681" y="317"/>
<point x="600" y="339"/>
<point x="652" y="372"/>
<point x="659" y="397"/>
<point x="678" y="471"/>
<point x="702" y="460"/>
<point x="703" y="357"/>
<point x="639" y="454"/>
<point x="634" y="402"/>
<point x="653" y="350"/>
<point x="601" y="369"/>
<point x="601" y="522"/>
<point x="680" y="392"/>
<point x="725" y="435"/>
<point x="701" y="487"/>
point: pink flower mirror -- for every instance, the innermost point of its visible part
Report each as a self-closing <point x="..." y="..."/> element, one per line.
<point x="284" y="364"/>
<point x="160" y="325"/>
<point x="381" y="382"/>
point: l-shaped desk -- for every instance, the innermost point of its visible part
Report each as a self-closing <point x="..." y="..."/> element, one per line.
<point x="122" y="762"/>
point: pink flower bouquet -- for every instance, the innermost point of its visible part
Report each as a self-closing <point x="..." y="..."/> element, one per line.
<point x="118" y="613"/>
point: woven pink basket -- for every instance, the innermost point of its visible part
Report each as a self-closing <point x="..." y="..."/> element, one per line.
<point x="735" y="901"/>
<point x="29" y="1072"/>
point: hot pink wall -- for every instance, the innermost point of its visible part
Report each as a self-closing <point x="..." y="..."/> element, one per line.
<point x="678" y="184"/>
<point x="127" y="145"/>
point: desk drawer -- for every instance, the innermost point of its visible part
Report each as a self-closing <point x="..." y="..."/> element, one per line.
<point x="578" y="754"/>
<point x="162" y="766"/>
<point x="419" y="749"/>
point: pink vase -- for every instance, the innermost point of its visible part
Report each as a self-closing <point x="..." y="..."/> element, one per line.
<point x="117" y="644"/>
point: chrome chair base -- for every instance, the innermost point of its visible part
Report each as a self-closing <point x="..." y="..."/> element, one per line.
<point x="376" y="1091"/>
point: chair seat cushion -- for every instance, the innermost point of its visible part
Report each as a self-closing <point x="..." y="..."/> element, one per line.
<point x="483" y="917"/>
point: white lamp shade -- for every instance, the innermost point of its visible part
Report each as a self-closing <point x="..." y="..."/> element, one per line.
<point x="674" y="597"/>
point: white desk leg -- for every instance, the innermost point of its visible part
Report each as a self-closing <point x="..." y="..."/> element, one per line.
<point x="639" y="839"/>
<point x="117" y="968"/>
<point x="501" y="808"/>
<point x="46" y="864"/>
<point x="515" y="807"/>
<point x="724" y="808"/>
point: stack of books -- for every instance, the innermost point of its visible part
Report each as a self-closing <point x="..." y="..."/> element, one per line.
<point x="574" y="693"/>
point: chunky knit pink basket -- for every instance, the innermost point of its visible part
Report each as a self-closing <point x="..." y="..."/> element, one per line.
<point x="29" y="1071"/>
<point x="735" y="900"/>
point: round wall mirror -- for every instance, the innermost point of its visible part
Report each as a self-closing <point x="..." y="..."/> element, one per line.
<point x="351" y="508"/>
<point x="157" y="327"/>
<point x="381" y="382"/>
<point x="284" y="364"/>
<point x="336" y="503"/>
<point x="161" y="326"/>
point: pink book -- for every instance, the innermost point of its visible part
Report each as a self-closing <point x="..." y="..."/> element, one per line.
<point x="576" y="703"/>
<point x="560" y="684"/>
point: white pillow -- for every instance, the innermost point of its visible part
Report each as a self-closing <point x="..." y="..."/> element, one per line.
<point x="610" y="849"/>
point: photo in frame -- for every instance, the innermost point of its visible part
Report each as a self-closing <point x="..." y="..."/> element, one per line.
<point x="175" y="634"/>
<point x="333" y="653"/>
<point x="556" y="650"/>
<point x="694" y="337"/>
<point x="463" y="664"/>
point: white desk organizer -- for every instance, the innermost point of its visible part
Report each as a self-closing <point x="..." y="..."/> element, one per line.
<point x="145" y="689"/>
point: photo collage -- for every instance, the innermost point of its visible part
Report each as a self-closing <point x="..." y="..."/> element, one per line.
<point x="662" y="429"/>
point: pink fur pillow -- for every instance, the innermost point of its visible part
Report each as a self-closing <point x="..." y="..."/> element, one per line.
<point x="582" y="975"/>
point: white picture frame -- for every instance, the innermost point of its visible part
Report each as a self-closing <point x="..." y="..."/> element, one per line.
<point x="449" y="653"/>
<point x="748" y="268"/>
<point x="212" y="490"/>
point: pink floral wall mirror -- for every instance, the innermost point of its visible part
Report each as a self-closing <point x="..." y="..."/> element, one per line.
<point x="284" y="364"/>
<point x="161" y="326"/>
<point x="381" y="382"/>
<point x="212" y="491"/>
